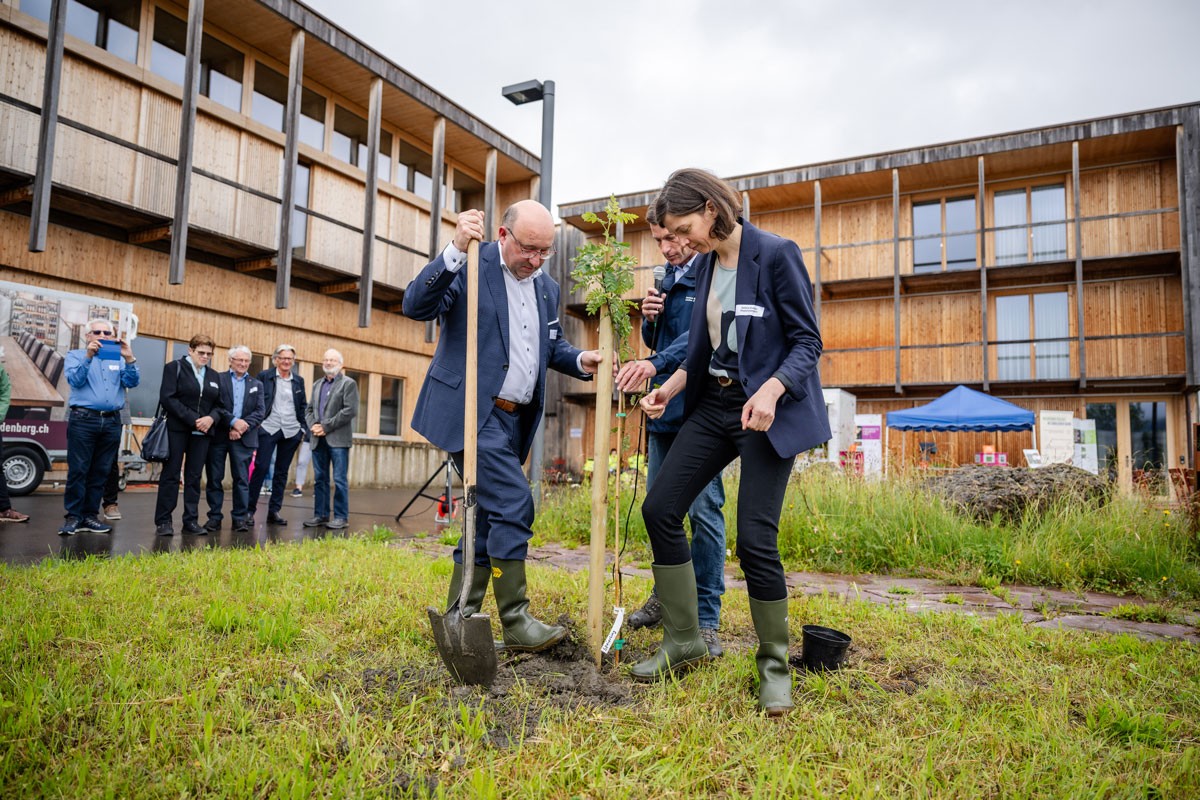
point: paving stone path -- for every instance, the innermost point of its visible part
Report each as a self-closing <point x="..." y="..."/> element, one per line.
<point x="1042" y="608"/>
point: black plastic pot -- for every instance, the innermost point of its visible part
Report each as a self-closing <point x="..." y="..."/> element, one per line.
<point x="823" y="648"/>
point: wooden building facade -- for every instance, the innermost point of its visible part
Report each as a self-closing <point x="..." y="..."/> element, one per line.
<point x="283" y="230"/>
<point x="1056" y="268"/>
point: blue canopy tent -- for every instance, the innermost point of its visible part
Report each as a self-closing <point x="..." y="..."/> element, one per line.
<point x="964" y="409"/>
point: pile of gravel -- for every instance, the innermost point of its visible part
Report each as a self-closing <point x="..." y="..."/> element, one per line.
<point x="985" y="492"/>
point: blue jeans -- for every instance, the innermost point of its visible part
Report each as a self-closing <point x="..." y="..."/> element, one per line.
<point x="92" y="444"/>
<point x="322" y="457"/>
<point x="708" y="533"/>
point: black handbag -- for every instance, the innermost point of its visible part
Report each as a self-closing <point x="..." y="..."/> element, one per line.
<point x="155" y="446"/>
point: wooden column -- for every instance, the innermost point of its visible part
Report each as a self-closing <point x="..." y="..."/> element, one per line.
<point x="372" y="193"/>
<point x="187" y="141"/>
<point x="896" y="271"/>
<point x="817" y="251"/>
<point x="435" y="203"/>
<point x="1078" y="266"/>
<point x="981" y="205"/>
<point x="1187" y="168"/>
<point x="39" y="217"/>
<point x="291" y="129"/>
<point x="489" y="194"/>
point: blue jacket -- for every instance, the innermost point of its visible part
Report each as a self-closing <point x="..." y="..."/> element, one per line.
<point x="254" y="411"/>
<point x="438" y="293"/>
<point x="671" y="330"/>
<point x="776" y="333"/>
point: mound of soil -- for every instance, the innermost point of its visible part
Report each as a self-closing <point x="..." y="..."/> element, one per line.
<point x="987" y="492"/>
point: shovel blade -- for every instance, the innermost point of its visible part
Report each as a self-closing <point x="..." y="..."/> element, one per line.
<point x="465" y="645"/>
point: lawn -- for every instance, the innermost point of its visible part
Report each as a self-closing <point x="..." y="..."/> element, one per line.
<point x="308" y="670"/>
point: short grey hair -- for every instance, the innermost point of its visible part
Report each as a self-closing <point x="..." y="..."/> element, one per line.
<point x="283" y="347"/>
<point x="108" y="323"/>
<point x="337" y="354"/>
<point x="240" y="348"/>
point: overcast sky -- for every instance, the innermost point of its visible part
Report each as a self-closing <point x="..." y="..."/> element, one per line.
<point x="754" y="85"/>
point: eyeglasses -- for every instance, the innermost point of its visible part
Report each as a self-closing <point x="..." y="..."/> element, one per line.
<point x="530" y="252"/>
<point x="203" y="353"/>
<point x="100" y="333"/>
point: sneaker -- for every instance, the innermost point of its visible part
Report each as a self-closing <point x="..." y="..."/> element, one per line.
<point x="194" y="529"/>
<point x="709" y="635"/>
<point x="164" y="530"/>
<point x="70" y="527"/>
<point x="264" y="491"/>
<point x="12" y="515"/>
<point x="92" y="523"/>
<point x="649" y="615"/>
<point x="297" y="493"/>
<point x="212" y="526"/>
<point x="315" y="522"/>
<point x="112" y="512"/>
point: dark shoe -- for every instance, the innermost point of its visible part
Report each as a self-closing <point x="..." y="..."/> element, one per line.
<point x="774" y="674"/>
<point x="523" y="632"/>
<point x="242" y="525"/>
<point x="479" y="583"/>
<point x="297" y="493"/>
<point x="212" y="526"/>
<point x="712" y="641"/>
<point x="682" y="647"/>
<point x="92" y="523"/>
<point x="275" y="519"/>
<point x="313" y="522"/>
<point x="193" y="528"/>
<point x="337" y="523"/>
<point x="649" y="615"/>
<point x="70" y="527"/>
<point x="164" y="530"/>
<point x="12" y="515"/>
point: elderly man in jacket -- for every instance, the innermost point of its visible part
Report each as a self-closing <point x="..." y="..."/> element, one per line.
<point x="330" y="418"/>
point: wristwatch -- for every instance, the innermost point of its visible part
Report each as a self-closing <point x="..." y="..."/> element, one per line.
<point x="132" y="360"/>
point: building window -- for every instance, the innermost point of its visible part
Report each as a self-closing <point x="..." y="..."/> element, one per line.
<point x="300" y="190"/>
<point x="109" y="24"/>
<point x="312" y="119"/>
<point x="1033" y="223"/>
<point x="390" y="406"/>
<point x="269" y="101"/>
<point x="151" y="354"/>
<point x="350" y="142"/>
<point x="221" y="66"/>
<point x="1037" y="326"/>
<point x="944" y="235"/>
<point x="167" y="52"/>
<point x="360" y="422"/>
<point x="414" y="170"/>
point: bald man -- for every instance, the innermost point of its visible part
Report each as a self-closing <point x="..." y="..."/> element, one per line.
<point x="330" y="417"/>
<point x="519" y="339"/>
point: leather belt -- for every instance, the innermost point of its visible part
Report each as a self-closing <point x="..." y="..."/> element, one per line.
<point x="507" y="405"/>
<point x="723" y="381"/>
<point x="95" y="412"/>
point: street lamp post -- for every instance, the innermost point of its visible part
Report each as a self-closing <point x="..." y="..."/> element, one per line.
<point x="519" y="94"/>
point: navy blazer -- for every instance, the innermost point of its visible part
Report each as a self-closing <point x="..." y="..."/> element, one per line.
<point x="776" y="332"/>
<point x="267" y="379"/>
<point x="254" y="410"/>
<point x="184" y="400"/>
<point x="670" y="328"/>
<point x="438" y="293"/>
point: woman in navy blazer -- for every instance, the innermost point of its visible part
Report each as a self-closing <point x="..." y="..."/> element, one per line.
<point x="751" y="391"/>
<point x="191" y="397"/>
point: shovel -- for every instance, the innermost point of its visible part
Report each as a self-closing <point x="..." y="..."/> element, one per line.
<point x="465" y="642"/>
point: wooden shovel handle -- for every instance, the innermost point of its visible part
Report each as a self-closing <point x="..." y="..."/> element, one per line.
<point x="470" y="419"/>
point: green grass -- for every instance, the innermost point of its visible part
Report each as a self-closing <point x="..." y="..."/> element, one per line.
<point x="1146" y="612"/>
<point x="308" y="670"/>
<point x="831" y="523"/>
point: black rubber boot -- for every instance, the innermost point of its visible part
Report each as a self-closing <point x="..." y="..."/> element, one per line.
<point x="649" y="615"/>
<point x="682" y="646"/>
<point x="523" y="632"/>
<point x="476" y="592"/>
<point x="774" y="674"/>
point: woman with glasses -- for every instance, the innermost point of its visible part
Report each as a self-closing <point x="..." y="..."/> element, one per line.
<point x="191" y="397"/>
<point x="751" y="392"/>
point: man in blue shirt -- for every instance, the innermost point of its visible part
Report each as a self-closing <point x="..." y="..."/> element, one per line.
<point x="98" y="385"/>
<point x="235" y="438"/>
<point x="666" y="316"/>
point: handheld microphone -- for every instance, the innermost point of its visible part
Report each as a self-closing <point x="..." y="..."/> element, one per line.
<point x="660" y="274"/>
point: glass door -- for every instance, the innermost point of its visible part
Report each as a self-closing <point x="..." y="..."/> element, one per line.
<point x="1148" y="447"/>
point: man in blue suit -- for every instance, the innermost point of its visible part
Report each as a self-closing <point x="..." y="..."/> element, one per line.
<point x="519" y="338"/>
<point x="235" y="437"/>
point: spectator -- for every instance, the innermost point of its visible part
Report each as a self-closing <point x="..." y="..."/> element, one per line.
<point x="281" y="432"/>
<point x="330" y="421"/>
<point x="235" y="437"/>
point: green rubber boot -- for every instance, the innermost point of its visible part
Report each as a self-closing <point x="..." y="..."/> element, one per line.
<point x="681" y="648"/>
<point x="479" y="584"/>
<point x="523" y="632"/>
<point x="774" y="674"/>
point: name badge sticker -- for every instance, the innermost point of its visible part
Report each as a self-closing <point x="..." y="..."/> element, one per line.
<point x="213" y="384"/>
<point x="253" y="389"/>
<point x="745" y="310"/>
<point x="553" y="334"/>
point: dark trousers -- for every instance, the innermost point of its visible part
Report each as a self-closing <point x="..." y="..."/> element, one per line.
<point x="112" y="484"/>
<point x="92" y="444"/>
<point x="504" y="518"/>
<point x="283" y="448"/>
<point x="191" y="453"/>
<point x="238" y="456"/>
<point x="712" y="437"/>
